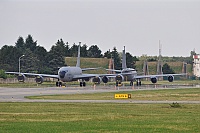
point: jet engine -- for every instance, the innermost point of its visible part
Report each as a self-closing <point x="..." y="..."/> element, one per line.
<point x="39" y="79"/>
<point x="154" y="80"/>
<point x="170" y="78"/>
<point x="21" y="77"/>
<point x="119" y="78"/>
<point x="97" y="80"/>
<point x="105" y="79"/>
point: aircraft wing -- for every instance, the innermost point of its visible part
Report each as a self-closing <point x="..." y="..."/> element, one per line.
<point x="113" y="70"/>
<point x="85" y="69"/>
<point x="34" y="74"/>
<point x="160" y="75"/>
<point x="107" y="75"/>
<point x="82" y="76"/>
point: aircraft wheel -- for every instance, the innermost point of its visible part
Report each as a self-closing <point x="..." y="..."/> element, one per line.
<point x="131" y="83"/>
<point x="116" y="83"/>
<point x="140" y="83"/>
<point x="81" y="84"/>
<point x="57" y="84"/>
<point x="60" y="84"/>
<point x="84" y="84"/>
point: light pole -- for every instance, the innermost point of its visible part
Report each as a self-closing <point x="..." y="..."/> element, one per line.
<point x="19" y="61"/>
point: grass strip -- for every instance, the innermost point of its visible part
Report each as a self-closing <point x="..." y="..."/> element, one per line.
<point x="98" y="117"/>
<point x="190" y="94"/>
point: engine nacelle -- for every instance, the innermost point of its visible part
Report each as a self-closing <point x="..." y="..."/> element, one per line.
<point x="105" y="79"/>
<point x="39" y="79"/>
<point x="97" y="80"/>
<point x="170" y="78"/>
<point x="154" y="80"/>
<point x="21" y="77"/>
<point x="119" y="78"/>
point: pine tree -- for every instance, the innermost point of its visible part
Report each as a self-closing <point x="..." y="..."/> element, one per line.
<point x="107" y="54"/>
<point x="55" y="59"/>
<point x="94" y="52"/>
<point x="166" y="69"/>
<point x="130" y="60"/>
<point x="20" y="43"/>
<point x="30" y="43"/>
<point x="117" y="60"/>
<point x="84" y="51"/>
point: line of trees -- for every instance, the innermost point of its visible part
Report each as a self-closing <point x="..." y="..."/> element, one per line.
<point x="37" y="59"/>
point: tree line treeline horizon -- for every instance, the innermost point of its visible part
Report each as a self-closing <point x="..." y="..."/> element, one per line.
<point x="38" y="60"/>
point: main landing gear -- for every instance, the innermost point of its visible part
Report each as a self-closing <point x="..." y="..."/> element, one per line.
<point x="138" y="82"/>
<point x="118" y="83"/>
<point x="60" y="84"/>
<point x="131" y="83"/>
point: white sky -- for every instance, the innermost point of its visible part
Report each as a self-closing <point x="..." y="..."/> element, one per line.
<point x="136" y="24"/>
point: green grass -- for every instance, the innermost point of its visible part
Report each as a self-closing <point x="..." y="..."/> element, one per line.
<point x="98" y="117"/>
<point x="191" y="94"/>
<point x="27" y="85"/>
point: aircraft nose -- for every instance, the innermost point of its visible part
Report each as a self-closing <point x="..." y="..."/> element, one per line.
<point x="62" y="74"/>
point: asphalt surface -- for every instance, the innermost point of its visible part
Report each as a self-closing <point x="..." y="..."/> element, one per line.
<point x="18" y="94"/>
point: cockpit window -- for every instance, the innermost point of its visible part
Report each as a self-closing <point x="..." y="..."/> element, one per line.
<point x="62" y="74"/>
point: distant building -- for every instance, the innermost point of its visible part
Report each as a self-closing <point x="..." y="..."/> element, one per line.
<point x="196" y="65"/>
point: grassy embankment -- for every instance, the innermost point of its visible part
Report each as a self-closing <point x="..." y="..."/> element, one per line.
<point x="90" y="63"/>
<point x="175" y="66"/>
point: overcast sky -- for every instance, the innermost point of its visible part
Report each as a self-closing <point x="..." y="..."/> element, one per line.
<point x="136" y="24"/>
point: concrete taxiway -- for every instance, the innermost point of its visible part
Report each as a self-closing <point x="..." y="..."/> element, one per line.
<point x="18" y="94"/>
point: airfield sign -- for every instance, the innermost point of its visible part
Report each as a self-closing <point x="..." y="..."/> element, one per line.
<point x="124" y="96"/>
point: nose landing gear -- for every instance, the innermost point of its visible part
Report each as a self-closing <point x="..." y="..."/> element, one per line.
<point x="58" y="84"/>
<point x="82" y="84"/>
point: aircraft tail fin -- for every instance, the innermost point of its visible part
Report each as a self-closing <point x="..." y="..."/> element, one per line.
<point x="124" y="59"/>
<point x="78" y="57"/>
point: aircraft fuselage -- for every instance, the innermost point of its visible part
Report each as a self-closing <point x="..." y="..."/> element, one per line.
<point x="129" y="74"/>
<point x="66" y="74"/>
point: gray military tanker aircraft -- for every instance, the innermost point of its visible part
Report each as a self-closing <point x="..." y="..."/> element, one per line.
<point x="66" y="74"/>
<point x="130" y="74"/>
